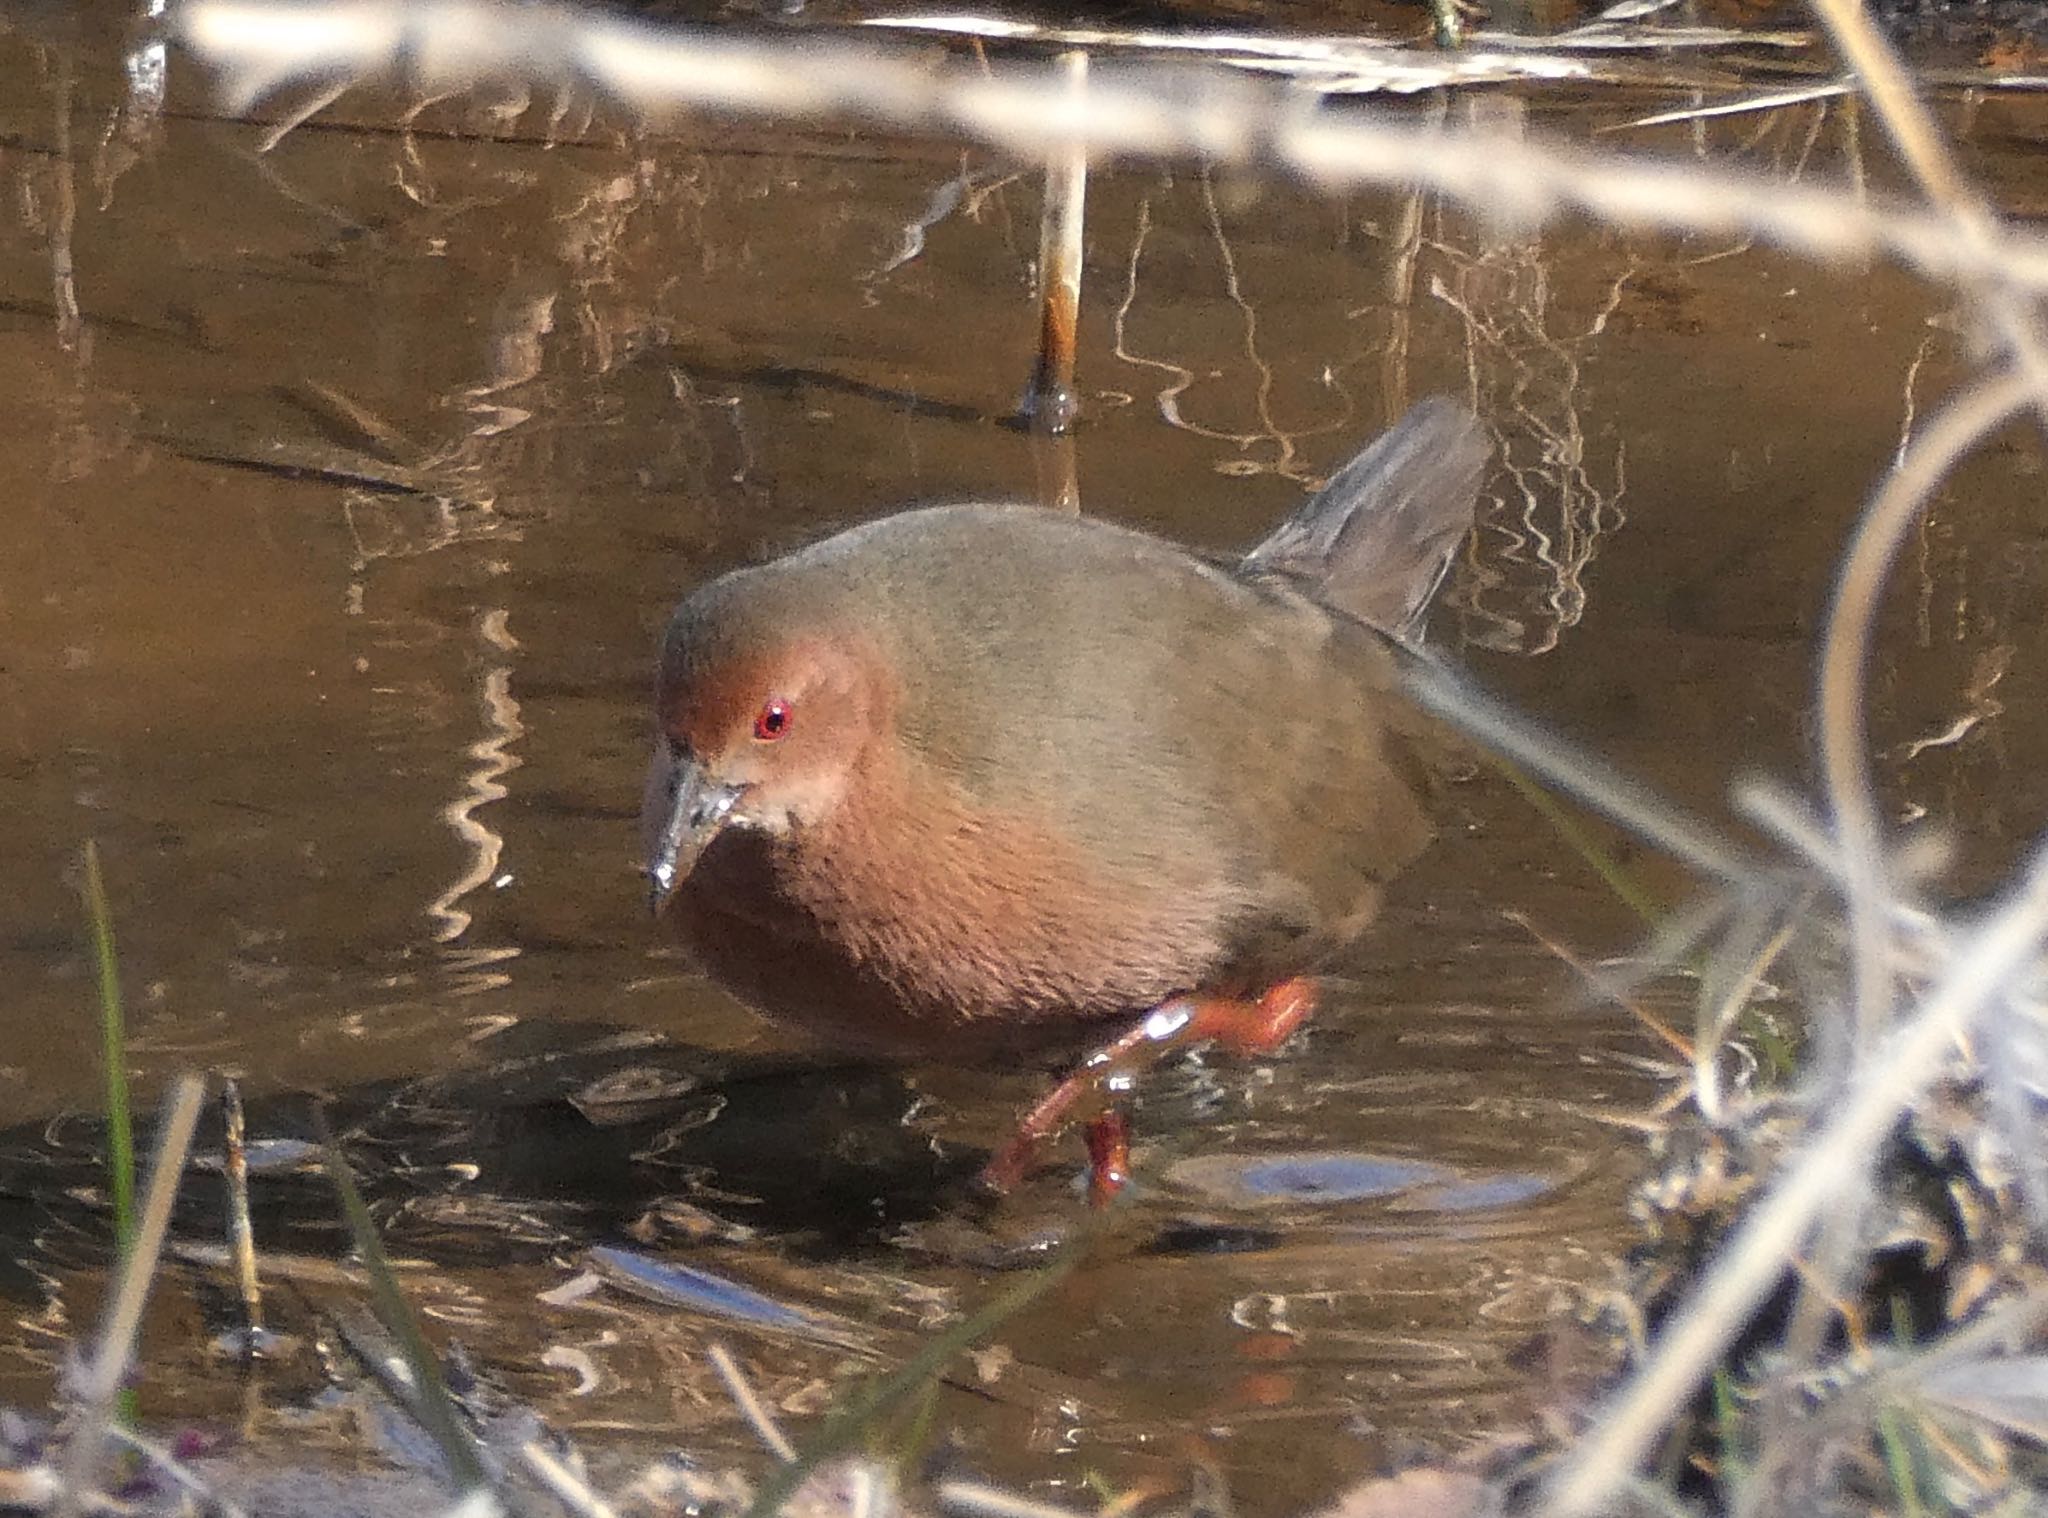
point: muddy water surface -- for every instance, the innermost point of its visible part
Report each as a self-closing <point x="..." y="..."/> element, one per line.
<point x="348" y="482"/>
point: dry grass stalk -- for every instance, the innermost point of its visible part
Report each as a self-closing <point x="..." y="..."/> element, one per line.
<point x="750" y="1405"/>
<point x="100" y="1382"/>
<point x="1129" y="111"/>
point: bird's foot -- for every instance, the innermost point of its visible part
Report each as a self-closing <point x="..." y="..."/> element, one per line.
<point x="1092" y="1088"/>
<point x="1094" y="1091"/>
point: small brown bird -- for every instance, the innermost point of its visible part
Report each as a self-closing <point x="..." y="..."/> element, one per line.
<point x="978" y="778"/>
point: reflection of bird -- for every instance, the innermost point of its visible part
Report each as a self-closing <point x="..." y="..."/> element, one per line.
<point x="981" y="777"/>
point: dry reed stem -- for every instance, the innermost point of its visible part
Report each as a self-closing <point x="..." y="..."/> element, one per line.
<point x="103" y="1376"/>
<point x="1155" y="111"/>
<point x="241" y="1229"/>
<point x="749" y="1403"/>
<point x="563" y="1484"/>
<point x="1880" y="533"/>
<point x="1883" y="80"/>
<point x="1051" y="400"/>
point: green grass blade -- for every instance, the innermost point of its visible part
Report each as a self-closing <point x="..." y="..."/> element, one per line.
<point x="113" y="1054"/>
<point x="1897" y="1443"/>
<point x="1728" y="1431"/>
<point x="433" y="1405"/>
<point x="1626" y="888"/>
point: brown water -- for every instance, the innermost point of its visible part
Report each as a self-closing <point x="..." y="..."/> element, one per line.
<point x="354" y="711"/>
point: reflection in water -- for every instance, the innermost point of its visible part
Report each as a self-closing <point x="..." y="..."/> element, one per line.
<point x="1310" y="1176"/>
<point x="484" y="847"/>
<point x="137" y="126"/>
<point x="64" y="220"/>
<point x="1523" y="585"/>
<point x="1267" y="447"/>
<point x="965" y="192"/>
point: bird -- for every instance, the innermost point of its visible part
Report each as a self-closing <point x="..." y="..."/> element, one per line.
<point x="977" y="781"/>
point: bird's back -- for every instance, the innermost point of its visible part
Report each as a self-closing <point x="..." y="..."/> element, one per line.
<point x="1217" y="751"/>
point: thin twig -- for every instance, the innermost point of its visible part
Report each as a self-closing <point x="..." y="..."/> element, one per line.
<point x="749" y="1402"/>
<point x="1845" y="660"/>
<point x="104" y="1375"/>
<point x="977" y="1499"/>
<point x="1844" y="741"/>
<point x="241" y="1232"/>
<point x="1598" y="980"/>
<point x="568" y="1488"/>
<point x="1881" y="75"/>
<point x="1659" y="822"/>
<point x="1920" y="938"/>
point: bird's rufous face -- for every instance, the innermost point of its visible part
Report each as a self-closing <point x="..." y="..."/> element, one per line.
<point x="768" y="742"/>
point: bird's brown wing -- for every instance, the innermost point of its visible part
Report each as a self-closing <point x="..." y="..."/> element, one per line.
<point x="1323" y="791"/>
<point x="1214" y="750"/>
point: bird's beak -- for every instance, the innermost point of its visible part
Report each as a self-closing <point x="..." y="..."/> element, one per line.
<point x="684" y="810"/>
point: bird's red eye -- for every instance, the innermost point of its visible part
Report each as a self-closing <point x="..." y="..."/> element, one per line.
<point x="772" y="721"/>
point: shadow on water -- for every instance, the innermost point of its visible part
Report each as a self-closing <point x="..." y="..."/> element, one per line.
<point x="574" y="1143"/>
<point x="598" y="1136"/>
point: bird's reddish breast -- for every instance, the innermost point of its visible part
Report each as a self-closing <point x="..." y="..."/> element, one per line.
<point x="912" y="918"/>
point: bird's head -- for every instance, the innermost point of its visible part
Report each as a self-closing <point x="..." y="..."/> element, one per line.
<point x="764" y="707"/>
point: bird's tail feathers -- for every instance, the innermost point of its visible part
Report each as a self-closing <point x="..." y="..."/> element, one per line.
<point x="1378" y="539"/>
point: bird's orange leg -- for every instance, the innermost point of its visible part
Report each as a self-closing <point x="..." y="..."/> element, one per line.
<point x="1122" y="1056"/>
<point x="1109" y="1155"/>
<point x="1243" y="1027"/>
<point x="1253" y="1027"/>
